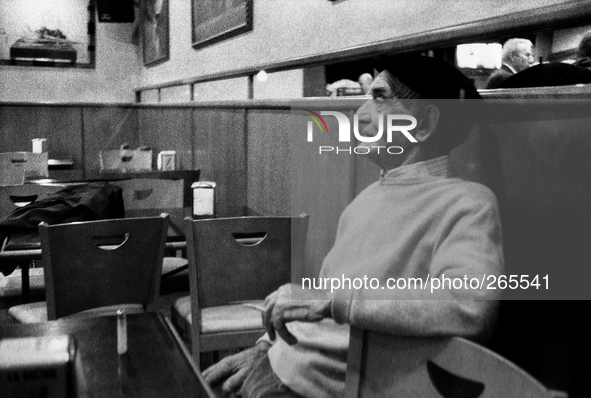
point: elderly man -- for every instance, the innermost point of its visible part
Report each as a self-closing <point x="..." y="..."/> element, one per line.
<point x="584" y="53"/>
<point x="517" y="56"/>
<point x="418" y="221"/>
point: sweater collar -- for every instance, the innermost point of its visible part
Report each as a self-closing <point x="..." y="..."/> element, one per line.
<point x="436" y="167"/>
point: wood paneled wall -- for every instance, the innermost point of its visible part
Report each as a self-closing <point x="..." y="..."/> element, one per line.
<point x="61" y="125"/>
<point x="219" y="141"/>
<point x="167" y="129"/>
<point x="322" y="186"/>
<point x="104" y="128"/>
<point x="269" y="161"/>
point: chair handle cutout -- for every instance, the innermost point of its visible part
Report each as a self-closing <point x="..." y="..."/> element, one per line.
<point x="249" y="238"/>
<point x="21" y="201"/>
<point x="112" y="242"/>
<point x="142" y="194"/>
<point x="450" y="385"/>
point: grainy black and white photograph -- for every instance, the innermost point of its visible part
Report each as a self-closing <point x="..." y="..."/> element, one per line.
<point x="296" y="198"/>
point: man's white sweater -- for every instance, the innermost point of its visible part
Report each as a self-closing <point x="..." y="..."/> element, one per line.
<point x="416" y="222"/>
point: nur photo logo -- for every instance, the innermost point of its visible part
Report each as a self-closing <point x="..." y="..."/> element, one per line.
<point x="389" y="125"/>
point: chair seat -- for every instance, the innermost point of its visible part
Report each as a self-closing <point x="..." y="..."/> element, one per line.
<point x="226" y="318"/>
<point x="11" y="285"/>
<point x="173" y="266"/>
<point x="29" y="313"/>
<point x="37" y="312"/>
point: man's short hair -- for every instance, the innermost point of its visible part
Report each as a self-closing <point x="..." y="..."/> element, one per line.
<point x="443" y="85"/>
<point x="585" y="46"/>
<point x="511" y="48"/>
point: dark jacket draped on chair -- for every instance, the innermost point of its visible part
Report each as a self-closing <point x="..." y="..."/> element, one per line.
<point x="87" y="202"/>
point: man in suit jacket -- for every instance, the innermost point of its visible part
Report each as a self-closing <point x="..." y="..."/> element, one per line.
<point x="584" y="54"/>
<point x="517" y="56"/>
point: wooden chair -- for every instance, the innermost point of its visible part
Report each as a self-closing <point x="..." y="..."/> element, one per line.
<point x="14" y="196"/>
<point x="380" y="365"/>
<point x="144" y="197"/>
<point x="98" y="266"/>
<point x="11" y="173"/>
<point x="187" y="176"/>
<point x="233" y="261"/>
<point x="18" y="166"/>
<point x="26" y="280"/>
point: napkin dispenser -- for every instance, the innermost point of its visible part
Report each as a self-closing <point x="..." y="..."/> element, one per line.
<point x="167" y="160"/>
<point x="203" y="199"/>
<point x="38" y="367"/>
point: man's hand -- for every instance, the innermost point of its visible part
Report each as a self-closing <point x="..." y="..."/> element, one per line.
<point x="235" y="368"/>
<point x="281" y="309"/>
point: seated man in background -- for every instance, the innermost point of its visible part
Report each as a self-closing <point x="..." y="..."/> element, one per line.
<point x="418" y="221"/>
<point x="349" y="87"/>
<point x="517" y="56"/>
<point x="584" y="53"/>
<point x="365" y="80"/>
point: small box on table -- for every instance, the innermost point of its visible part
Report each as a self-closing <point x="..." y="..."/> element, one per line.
<point x="38" y="367"/>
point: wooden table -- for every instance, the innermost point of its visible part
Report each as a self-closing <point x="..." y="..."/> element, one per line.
<point x="156" y="364"/>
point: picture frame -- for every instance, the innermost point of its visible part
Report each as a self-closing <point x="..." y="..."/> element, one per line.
<point x="155" y="25"/>
<point x="47" y="33"/>
<point x="213" y="21"/>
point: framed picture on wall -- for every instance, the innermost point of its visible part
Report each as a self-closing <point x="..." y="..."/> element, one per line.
<point x="47" y="33"/>
<point x="155" y="31"/>
<point x="217" y="20"/>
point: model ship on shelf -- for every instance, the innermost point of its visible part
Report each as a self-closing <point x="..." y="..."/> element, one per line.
<point x="50" y="45"/>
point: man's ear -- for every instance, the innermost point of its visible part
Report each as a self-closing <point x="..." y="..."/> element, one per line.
<point x="427" y="124"/>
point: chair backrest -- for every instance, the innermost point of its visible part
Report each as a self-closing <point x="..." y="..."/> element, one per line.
<point x="14" y="196"/>
<point x="102" y="263"/>
<point x="241" y="258"/>
<point x="146" y="193"/>
<point x="381" y="365"/>
<point x="147" y="197"/>
<point x="11" y="173"/>
<point x="188" y="177"/>
<point x="22" y="165"/>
